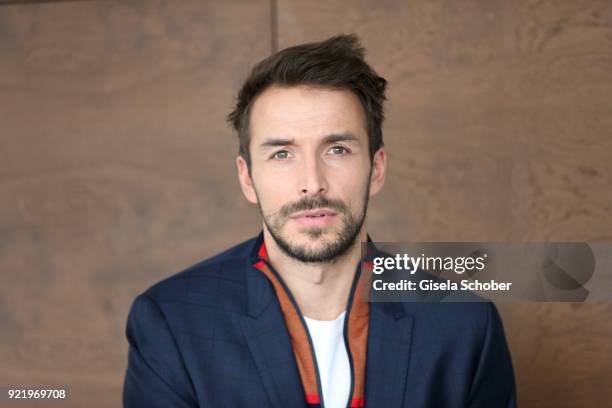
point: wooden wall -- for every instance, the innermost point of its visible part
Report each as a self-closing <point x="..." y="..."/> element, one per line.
<point x="116" y="165"/>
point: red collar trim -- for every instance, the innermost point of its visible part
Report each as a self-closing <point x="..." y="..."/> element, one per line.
<point x="263" y="252"/>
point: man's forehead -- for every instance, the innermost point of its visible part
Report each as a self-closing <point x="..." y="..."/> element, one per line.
<point x="300" y="111"/>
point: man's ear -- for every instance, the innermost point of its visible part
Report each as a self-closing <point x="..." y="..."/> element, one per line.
<point x="246" y="183"/>
<point x="379" y="171"/>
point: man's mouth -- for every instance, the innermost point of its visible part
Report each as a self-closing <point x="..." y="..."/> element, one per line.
<point x="314" y="218"/>
<point x="322" y="212"/>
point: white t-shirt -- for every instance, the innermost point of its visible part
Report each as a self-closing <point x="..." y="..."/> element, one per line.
<point x="332" y="360"/>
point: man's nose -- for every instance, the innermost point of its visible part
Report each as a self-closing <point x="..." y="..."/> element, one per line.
<point x="312" y="177"/>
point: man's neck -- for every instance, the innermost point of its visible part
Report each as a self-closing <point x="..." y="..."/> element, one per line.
<point x="321" y="290"/>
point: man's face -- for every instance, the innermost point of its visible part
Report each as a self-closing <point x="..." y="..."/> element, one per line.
<point x="310" y="169"/>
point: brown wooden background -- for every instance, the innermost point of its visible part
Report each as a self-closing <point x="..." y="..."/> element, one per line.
<point x="116" y="166"/>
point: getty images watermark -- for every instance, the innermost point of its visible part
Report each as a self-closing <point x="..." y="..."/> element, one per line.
<point x="477" y="271"/>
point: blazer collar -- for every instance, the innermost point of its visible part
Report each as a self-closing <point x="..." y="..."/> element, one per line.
<point x="260" y="292"/>
<point x="388" y="344"/>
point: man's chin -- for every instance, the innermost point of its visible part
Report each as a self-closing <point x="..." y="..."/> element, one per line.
<point x="314" y="243"/>
<point x="315" y="235"/>
<point x="310" y="238"/>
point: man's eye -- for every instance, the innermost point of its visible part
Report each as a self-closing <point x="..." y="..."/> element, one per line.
<point x="338" y="150"/>
<point x="281" y="155"/>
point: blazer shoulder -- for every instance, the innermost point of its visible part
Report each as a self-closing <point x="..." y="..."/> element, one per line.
<point x="227" y="265"/>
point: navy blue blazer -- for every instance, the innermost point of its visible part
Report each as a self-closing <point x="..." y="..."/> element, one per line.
<point x="214" y="336"/>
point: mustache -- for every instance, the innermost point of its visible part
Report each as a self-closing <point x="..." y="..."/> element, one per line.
<point x="312" y="203"/>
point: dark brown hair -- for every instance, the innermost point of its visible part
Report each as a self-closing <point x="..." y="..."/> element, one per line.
<point x="337" y="62"/>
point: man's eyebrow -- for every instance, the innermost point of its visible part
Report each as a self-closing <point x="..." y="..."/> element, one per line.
<point x="331" y="138"/>
<point x="340" y="137"/>
<point x="275" y="142"/>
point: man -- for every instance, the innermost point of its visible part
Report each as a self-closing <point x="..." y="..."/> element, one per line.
<point x="279" y="320"/>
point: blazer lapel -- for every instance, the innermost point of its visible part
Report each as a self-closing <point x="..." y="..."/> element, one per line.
<point x="388" y="354"/>
<point x="269" y="343"/>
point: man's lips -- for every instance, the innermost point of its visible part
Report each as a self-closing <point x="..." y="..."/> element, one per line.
<point x="314" y="218"/>
<point x="314" y="213"/>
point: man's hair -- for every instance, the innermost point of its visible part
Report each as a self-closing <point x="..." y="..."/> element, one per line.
<point x="337" y="63"/>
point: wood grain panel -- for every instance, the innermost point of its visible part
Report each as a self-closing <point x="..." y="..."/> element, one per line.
<point x="499" y="124"/>
<point x="116" y="170"/>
